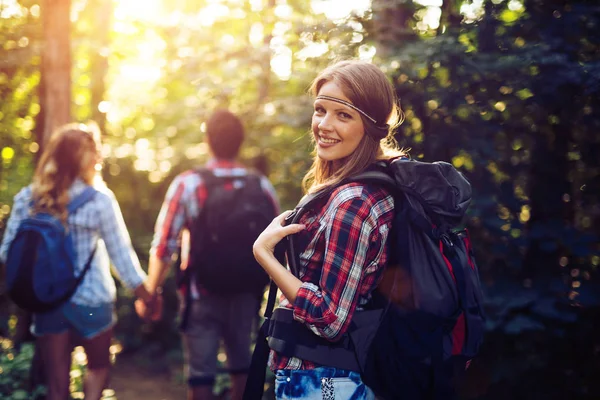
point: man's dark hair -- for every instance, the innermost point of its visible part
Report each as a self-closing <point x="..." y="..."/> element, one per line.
<point x="225" y="134"/>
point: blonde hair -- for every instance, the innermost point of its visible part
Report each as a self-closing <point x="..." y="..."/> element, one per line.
<point x="71" y="153"/>
<point x="367" y="88"/>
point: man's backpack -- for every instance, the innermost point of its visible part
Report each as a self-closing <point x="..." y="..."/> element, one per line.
<point x="235" y="211"/>
<point x="40" y="265"/>
<point x="424" y="322"/>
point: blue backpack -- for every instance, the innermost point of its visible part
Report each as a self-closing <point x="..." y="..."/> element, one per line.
<point x="425" y="321"/>
<point x="40" y="270"/>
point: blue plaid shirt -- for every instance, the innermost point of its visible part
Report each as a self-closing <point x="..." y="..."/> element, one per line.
<point x="97" y="221"/>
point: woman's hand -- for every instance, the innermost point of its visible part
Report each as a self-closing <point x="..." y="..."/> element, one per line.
<point x="149" y="305"/>
<point x="150" y="311"/>
<point x="264" y="246"/>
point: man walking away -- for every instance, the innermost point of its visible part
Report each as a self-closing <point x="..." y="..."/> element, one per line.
<point x="223" y="206"/>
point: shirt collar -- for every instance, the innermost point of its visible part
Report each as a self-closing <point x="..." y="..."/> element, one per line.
<point x="223" y="163"/>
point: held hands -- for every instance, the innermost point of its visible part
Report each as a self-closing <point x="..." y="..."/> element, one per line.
<point x="264" y="246"/>
<point x="150" y="310"/>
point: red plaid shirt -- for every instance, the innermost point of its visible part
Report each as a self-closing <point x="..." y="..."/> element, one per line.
<point x="183" y="202"/>
<point x="342" y="262"/>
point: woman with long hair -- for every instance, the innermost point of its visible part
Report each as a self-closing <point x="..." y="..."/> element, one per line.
<point x="70" y="163"/>
<point x="344" y="240"/>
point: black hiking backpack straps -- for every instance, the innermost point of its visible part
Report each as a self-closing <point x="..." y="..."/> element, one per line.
<point x="235" y="211"/>
<point x="40" y="265"/>
<point x="425" y="321"/>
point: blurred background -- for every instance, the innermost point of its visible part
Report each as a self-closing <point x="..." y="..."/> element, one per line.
<point x="508" y="91"/>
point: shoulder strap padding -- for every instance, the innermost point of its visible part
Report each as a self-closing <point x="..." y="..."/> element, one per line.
<point x="377" y="177"/>
<point x="208" y="177"/>
<point x="374" y="176"/>
<point x="86" y="195"/>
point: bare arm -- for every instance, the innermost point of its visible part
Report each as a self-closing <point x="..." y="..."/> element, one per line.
<point x="150" y="306"/>
<point x="157" y="270"/>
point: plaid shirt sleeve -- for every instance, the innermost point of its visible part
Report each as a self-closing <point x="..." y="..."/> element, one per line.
<point x="355" y="234"/>
<point x="19" y="212"/>
<point x="170" y="222"/>
<point x="180" y="205"/>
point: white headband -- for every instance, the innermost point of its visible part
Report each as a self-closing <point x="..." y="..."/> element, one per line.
<point x="352" y="106"/>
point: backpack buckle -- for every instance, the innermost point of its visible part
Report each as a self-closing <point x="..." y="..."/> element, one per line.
<point x="289" y="219"/>
<point x="445" y="238"/>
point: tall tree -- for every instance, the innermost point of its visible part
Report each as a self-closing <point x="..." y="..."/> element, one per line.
<point x="391" y="25"/>
<point x="55" y="96"/>
<point x="102" y="10"/>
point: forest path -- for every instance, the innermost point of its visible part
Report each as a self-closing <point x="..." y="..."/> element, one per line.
<point x="132" y="379"/>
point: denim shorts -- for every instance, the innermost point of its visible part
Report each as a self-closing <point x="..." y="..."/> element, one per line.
<point x="323" y="383"/>
<point x="86" y="321"/>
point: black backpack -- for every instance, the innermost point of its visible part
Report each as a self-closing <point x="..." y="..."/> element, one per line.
<point x="235" y="211"/>
<point x="425" y="321"/>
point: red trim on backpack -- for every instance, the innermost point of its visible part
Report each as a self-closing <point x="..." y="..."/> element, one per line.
<point x="459" y="335"/>
<point x="228" y="185"/>
<point x="468" y="364"/>
<point x="459" y="330"/>
<point x="448" y="263"/>
<point x="202" y="194"/>
<point x="467" y="240"/>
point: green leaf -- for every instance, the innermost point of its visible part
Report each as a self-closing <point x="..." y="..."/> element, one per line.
<point x="524" y="94"/>
<point x="509" y="16"/>
<point x="20" y="395"/>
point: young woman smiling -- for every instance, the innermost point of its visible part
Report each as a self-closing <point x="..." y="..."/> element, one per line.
<point x="344" y="239"/>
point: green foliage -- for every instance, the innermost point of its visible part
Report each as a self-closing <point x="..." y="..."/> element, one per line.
<point x="508" y="91"/>
<point x="19" y="77"/>
<point x="14" y="372"/>
<point x="491" y="98"/>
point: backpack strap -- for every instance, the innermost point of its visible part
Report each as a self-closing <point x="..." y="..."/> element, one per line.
<point x="185" y="276"/>
<point x="209" y="181"/>
<point x="87" y="266"/>
<point x="303" y="206"/>
<point x="86" y="195"/>
<point x="208" y="176"/>
<point x="260" y="357"/>
<point x="376" y="176"/>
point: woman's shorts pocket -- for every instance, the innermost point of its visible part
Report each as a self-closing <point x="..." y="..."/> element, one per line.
<point x="322" y="383"/>
<point x="344" y="388"/>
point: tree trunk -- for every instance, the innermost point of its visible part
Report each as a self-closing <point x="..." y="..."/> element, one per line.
<point x="265" y="82"/>
<point x="102" y="10"/>
<point x="391" y="25"/>
<point x="486" y="33"/>
<point x="56" y="65"/>
<point x="55" y="110"/>
<point x="450" y="18"/>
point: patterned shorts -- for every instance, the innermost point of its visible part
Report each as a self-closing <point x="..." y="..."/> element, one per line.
<point x="323" y="383"/>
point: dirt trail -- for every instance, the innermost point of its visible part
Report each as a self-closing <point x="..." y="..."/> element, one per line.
<point x="132" y="381"/>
